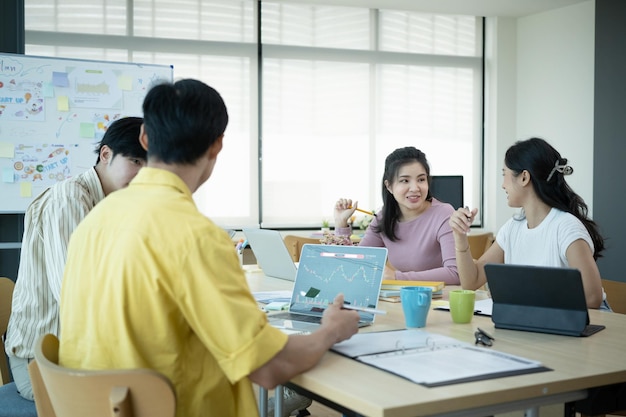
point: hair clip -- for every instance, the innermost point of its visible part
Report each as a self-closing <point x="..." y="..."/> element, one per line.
<point x="563" y="169"/>
<point x="483" y="337"/>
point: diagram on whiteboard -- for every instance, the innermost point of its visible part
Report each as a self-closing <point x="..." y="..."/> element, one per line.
<point x="53" y="113"/>
<point x="43" y="163"/>
<point x="21" y="99"/>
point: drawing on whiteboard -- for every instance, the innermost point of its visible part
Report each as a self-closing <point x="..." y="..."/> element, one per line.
<point x="93" y="88"/>
<point x="44" y="164"/>
<point x="21" y="99"/>
<point x="49" y="103"/>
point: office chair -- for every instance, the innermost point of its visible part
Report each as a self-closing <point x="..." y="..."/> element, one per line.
<point x="479" y="243"/>
<point x="65" y="392"/>
<point x="294" y="245"/>
<point x="615" y="295"/>
<point x="13" y="405"/>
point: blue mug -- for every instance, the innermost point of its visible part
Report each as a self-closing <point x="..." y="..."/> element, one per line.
<point x="415" y="304"/>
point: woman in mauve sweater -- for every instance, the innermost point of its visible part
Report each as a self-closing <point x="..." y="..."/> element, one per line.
<point x="412" y="225"/>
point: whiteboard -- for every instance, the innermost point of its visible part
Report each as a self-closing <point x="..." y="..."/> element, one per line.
<point x="54" y="111"/>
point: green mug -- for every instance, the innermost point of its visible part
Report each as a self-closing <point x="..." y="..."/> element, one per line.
<point x="462" y="305"/>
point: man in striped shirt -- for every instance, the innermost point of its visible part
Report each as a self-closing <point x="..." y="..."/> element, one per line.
<point x="49" y="221"/>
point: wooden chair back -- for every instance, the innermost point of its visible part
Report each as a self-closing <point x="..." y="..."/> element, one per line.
<point x="6" y="297"/>
<point x="479" y="243"/>
<point x="615" y="295"/>
<point x="64" y="392"/>
<point x="294" y="245"/>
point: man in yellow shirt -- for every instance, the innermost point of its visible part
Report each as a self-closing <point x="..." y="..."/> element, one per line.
<point x="151" y="282"/>
<point x="49" y="222"/>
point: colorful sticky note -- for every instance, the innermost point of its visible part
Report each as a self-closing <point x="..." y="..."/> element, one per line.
<point x="87" y="130"/>
<point x="26" y="189"/>
<point x="63" y="103"/>
<point x="7" y="150"/>
<point x="48" y="90"/>
<point x="7" y="175"/>
<point x="59" y="79"/>
<point x="125" y="82"/>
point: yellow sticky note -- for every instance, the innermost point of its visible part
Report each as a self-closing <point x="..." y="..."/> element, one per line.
<point x="7" y="150"/>
<point x="125" y="82"/>
<point x="63" y="103"/>
<point x="26" y="189"/>
<point x="87" y="130"/>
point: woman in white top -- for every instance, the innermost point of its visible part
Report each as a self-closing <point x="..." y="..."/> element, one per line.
<point x="552" y="228"/>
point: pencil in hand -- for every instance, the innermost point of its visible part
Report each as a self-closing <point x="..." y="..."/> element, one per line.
<point x="371" y="213"/>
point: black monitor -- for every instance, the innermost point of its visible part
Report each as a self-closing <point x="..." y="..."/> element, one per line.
<point x="448" y="189"/>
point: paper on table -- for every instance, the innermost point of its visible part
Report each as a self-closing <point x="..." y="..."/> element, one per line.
<point x="379" y="342"/>
<point x="481" y="307"/>
<point x="451" y="364"/>
<point x="433" y="360"/>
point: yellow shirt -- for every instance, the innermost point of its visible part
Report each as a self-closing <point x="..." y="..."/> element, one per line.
<point x="150" y="282"/>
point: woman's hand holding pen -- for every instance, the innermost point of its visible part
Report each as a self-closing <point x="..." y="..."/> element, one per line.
<point x="461" y="220"/>
<point x="344" y="209"/>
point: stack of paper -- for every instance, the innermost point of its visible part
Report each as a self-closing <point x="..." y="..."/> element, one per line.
<point x="391" y="287"/>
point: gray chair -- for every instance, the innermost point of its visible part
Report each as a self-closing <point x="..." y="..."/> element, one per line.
<point x="12" y="404"/>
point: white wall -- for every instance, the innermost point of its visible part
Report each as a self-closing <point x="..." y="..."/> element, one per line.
<point x="548" y="82"/>
<point x="500" y="114"/>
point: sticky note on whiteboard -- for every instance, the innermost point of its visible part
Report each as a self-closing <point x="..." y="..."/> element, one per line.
<point x="7" y="175"/>
<point x="26" y="189"/>
<point x="63" y="103"/>
<point x="7" y="150"/>
<point x="125" y="83"/>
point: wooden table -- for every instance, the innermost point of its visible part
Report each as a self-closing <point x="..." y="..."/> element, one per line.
<point x="577" y="364"/>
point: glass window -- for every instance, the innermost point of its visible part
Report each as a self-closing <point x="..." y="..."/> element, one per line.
<point x="318" y="26"/>
<point x="428" y="34"/>
<point x="226" y="20"/>
<point x="315" y="110"/>
<point x="76" y="16"/>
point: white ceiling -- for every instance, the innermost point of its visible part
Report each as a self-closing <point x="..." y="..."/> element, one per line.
<point x="505" y="8"/>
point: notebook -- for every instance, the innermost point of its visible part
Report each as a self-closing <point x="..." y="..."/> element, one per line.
<point x="327" y="270"/>
<point x="271" y="254"/>
<point x="539" y="299"/>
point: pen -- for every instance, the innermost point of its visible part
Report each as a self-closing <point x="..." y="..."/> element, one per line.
<point x="468" y="218"/>
<point x="363" y="309"/>
<point x="371" y="213"/>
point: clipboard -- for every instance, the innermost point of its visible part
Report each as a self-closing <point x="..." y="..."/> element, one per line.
<point x="433" y="360"/>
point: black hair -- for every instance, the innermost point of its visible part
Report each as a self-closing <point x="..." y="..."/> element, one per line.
<point x="391" y="210"/>
<point x="547" y="169"/>
<point x="122" y="137"/>
<point x="182" y="120"/>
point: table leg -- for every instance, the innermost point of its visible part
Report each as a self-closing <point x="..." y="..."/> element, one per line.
<point x="531" y="412"/>
<point x="278" y="401"/>
<point x="262" y="402"/>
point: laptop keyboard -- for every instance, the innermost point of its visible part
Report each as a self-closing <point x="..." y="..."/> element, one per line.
<point x="296" y="317"/>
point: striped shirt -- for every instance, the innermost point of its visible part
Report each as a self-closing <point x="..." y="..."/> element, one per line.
<point x="50" y="220"/>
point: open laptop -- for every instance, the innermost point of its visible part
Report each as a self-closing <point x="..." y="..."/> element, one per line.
<point x="327" y="270"/>
<point x="271" y="254"/>
<point x="539" y="299"/>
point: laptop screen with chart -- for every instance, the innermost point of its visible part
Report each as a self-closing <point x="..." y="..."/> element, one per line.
<point x="324" y="272"/>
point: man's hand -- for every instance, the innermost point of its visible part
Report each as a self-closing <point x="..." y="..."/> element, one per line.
<point x="341" y="322"/>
